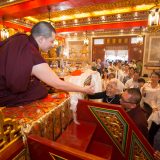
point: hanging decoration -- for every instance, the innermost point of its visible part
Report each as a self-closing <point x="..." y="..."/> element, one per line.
<point x="86" y="40"/>
<point x="140" y="37"/>
<point x="4" y="33"/>
<point x="154" y="18"/>
<point x="49" y="16"/>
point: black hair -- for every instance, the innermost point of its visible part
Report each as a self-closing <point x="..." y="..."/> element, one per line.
<point x="135" y="95"/>
<point x="43" y="29"/>
<point x="141" y="80"/>
<point x="155" y="73"/>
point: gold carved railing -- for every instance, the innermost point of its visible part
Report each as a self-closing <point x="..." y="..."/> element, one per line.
<point x="9" y="130"/>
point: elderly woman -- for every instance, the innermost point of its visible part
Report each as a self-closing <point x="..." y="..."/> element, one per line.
<point x="111" y="76"/>
<point x="110" y="95"/>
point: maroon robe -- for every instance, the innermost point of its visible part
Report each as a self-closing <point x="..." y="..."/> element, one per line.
<point x="18" y="54"/>
<point x="139" y="118"/>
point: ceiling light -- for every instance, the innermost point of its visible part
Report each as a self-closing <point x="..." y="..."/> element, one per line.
<point x="75" y="21"/>
<point x="118" y="16"/>
<point x="82" y="15"/>
<point x="135" y="14"/>
<point x="121" y="30"/>
<point x="32" y="19"/>
<point x="103" y="18"/>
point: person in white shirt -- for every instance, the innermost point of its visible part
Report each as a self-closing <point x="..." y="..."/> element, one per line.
<point x="119" y="72"/>
<point x="151" y="96"/>
<point x="133" y="82"/>
<point x="104" y="78"/>
<point x="141" y="82"/>
<point x="126" y="73"/>
<point x="133" y="64"/>
<point x="99" y="66"/>
<point x="111" y="68"/>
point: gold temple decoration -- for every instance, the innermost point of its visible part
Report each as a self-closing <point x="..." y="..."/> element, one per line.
<point x="86" y="40"/>
<point x="9" y="130"/>
<point x="55" y="156"/>
<point x="5" y="3"/>
<point x="154" y="18"/>
<point x="140" y="37"/>
<point x="123" y="6"/>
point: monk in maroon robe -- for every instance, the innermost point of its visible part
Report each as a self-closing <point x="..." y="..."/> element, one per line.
<point x="18" y="55"/>
<point x="22" y="67"/>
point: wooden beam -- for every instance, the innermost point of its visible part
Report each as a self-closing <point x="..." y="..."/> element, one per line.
<point x="117" y="25"/>
<point x="24" y="9"/>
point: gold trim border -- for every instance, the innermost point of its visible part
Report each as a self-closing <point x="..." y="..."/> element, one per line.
<point x="12" y="3"/>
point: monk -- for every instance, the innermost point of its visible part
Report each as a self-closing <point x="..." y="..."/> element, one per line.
<point x="22" y="68"/>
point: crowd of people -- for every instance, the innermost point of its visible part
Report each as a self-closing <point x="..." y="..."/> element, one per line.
<point x="140" y="96"/>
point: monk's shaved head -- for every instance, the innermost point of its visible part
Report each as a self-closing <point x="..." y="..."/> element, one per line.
<point x="42" y="29"/>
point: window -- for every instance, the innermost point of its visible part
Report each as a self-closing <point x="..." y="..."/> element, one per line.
<point x="98" y="41"/>
<point x="113" y="55"/>
<point x="137" y="40"/>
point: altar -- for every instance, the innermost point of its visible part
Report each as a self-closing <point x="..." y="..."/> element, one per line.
<point x="47" y="118"/>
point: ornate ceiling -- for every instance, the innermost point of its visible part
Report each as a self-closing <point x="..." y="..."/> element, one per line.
<point x="78" y="15"/>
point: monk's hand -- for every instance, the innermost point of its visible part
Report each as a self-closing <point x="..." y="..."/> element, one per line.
<point x="89" y="89"/>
